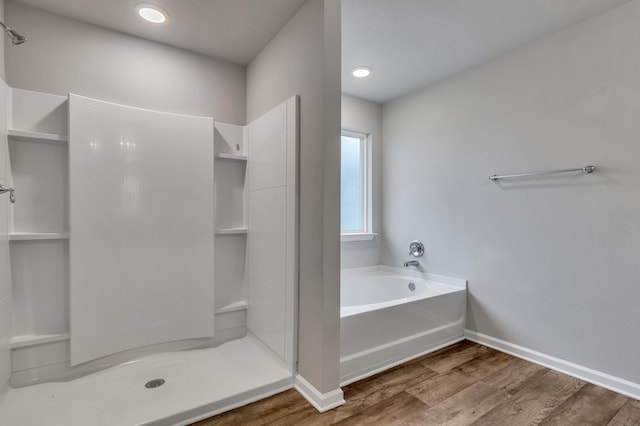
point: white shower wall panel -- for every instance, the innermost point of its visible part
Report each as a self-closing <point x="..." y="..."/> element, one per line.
<point x="5" y="336"/>
<point x="230" y="193"/>
<point x="5" y="276"/>
<point x="39" y="112"/>
<point x="229" y="139"/>
<point x="5" y="118"/>
<point x="40" y="276"/>
<point x="141" y="227"/>
<point x="267" y="239"/>
<point x="230" y="269"/>
<point x="272" y="224"/>
<point x="267" y="312"/>
<point x="40" y="174"/>
<point x="268" y="150"/>
<point x="267" y="253"/>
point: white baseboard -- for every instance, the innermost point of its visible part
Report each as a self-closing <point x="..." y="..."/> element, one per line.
<point x="321" y="401"/>
<point x="587" y="374"/>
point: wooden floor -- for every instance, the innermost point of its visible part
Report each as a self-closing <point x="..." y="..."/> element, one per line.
<point x="463" y="384"/>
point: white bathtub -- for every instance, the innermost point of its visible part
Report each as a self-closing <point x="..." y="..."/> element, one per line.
<point x="384" y="322"/>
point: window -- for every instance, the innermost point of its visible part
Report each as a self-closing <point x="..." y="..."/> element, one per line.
<point x="355" y="195"/>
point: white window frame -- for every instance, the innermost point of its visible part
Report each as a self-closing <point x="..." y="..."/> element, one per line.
<point x="366" y="179"/>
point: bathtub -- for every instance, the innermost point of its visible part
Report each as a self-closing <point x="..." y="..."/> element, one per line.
<point x="391" y="315"/>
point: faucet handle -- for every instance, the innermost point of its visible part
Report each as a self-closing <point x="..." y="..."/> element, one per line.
<point x="416" y="248"/>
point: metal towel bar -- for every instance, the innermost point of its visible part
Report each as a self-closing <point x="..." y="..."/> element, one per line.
<point x="585" y="170"/>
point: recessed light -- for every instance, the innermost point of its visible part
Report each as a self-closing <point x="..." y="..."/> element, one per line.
<point x="361" y="72"/>
<point x="151" y="13"/>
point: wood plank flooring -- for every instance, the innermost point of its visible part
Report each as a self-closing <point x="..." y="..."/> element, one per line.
<point x="462" y="384"/>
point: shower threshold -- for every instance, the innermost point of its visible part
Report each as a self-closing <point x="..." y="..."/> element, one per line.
<point x="197" y="384"/>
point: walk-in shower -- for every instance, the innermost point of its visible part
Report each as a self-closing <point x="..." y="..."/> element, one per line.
<point x="150" y="322"/>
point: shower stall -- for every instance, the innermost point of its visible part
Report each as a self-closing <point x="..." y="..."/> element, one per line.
<point x="153" y="261"/>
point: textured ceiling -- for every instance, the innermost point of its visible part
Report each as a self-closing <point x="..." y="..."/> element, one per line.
<point x="232" y="30"/>
<point x="414" y="43"/>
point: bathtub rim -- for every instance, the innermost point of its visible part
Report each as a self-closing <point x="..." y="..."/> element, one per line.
<point x="443" y="285"/>
<point x="409" y="273"/>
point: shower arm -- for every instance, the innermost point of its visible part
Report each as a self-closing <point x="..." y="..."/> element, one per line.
<point x="4" y="27"/>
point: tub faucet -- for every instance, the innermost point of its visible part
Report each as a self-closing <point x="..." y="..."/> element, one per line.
<point x="411" y="263"/>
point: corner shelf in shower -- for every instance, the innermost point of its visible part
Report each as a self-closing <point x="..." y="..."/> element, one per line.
<point x="231" y="231"/>
<point x="236" y="157"/>
<point x="26" y="340"/>
<point x="232" y="307"/>
<point x="31" y="236"/>
<point x="27" y="135"/>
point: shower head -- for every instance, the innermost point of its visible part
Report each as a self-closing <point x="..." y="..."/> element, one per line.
<point x="14" y="36"/>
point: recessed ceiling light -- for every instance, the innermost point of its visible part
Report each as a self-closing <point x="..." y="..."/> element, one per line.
<point x="151" y="13"/>
<point x="361" y="72"/>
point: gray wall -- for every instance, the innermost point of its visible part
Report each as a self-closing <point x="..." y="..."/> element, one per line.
<point x="64" y="55"/>
<point x="304" y="58"/>
<point x="366" y="117"/>
<point x="552" y="263"/>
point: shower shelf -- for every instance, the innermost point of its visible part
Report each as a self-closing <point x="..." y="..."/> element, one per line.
<point x="29" y="236"/>
<point x="36" y="339"/>
<point x="232" y="307"/>
<point x="36" y="136"/>
<point x="229" y="231"/>
<point x="231" y="157"/>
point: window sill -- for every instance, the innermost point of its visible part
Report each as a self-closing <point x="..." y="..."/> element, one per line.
<point x="361" y="236"/>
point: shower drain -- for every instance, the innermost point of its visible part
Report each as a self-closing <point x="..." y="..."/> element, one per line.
<point x="155" y="383"/>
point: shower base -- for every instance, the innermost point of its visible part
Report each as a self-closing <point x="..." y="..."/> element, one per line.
<point x="198" y="384"/>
